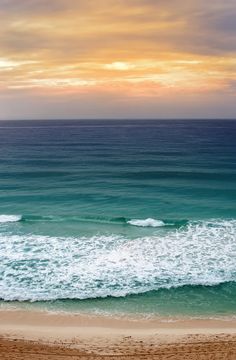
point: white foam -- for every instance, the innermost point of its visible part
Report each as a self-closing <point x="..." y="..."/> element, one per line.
<point x="149" y="222"/>
<point x="35" y="267"/>
<point x="9" y="218"/>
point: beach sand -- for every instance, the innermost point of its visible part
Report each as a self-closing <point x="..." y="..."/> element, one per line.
<point x="44" y="336"/>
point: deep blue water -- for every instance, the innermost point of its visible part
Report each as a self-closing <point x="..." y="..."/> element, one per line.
<point x="139" y="209"/>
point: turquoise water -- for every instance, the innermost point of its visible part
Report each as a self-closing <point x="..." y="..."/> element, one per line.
<point x="119" y="216"/>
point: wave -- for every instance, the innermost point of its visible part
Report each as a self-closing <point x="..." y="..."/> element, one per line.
<point x="35" y="267"/>
<point x="10" y="218"/>
<point x="148" y="222"/>
<point x="222" y="289"/>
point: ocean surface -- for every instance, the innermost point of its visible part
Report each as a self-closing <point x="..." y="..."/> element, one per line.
<point x="119" y="217"/>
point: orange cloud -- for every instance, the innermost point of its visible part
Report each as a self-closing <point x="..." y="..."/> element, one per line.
<point x="130" y="49"/>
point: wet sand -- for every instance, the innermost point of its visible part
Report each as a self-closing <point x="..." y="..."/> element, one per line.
<point x="35" y="335"/>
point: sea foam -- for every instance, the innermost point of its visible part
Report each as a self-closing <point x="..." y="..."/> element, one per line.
<point x="9" y="218"/>
<point x="149" y="222"/>
<point x="36" y="267"/>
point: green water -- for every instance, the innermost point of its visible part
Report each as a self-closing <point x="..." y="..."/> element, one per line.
<point x="119" y="216"/>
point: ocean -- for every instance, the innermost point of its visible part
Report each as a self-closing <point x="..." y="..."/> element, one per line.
<point x="119" y="217"/>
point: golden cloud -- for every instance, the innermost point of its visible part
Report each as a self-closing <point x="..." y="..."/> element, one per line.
<point x="137" y="48"/>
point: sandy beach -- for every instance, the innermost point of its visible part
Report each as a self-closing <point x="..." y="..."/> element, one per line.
<point x="40" y="335"/>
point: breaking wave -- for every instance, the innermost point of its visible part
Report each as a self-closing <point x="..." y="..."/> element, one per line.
<point x="10" y="218"/>
<point x="36" y="267"/>
<point x="149" y="222"/>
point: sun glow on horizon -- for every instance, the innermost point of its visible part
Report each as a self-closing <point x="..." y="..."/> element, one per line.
<point x="121" y="50"/>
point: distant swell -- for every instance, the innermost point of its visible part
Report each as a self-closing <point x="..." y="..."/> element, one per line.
<point x="37" y="267"/>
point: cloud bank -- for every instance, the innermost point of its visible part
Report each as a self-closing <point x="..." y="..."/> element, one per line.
<point x="127" y="58"/>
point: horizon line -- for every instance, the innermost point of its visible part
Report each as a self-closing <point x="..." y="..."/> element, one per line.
<point x="122" y="119"/>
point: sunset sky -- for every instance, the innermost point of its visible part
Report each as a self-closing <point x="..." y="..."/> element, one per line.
<point x="117" y="59"/>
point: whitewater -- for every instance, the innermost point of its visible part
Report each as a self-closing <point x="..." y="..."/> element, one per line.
<point x="122" y="216"/>
<point x="36" y="267"/>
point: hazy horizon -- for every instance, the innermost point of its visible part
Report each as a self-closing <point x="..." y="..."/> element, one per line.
<point x="120" y="119"/>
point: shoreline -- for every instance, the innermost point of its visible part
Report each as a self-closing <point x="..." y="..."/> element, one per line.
<point x="81" y="336"/>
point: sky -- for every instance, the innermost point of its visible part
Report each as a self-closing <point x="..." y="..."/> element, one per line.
<point x="117" y="59"/>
